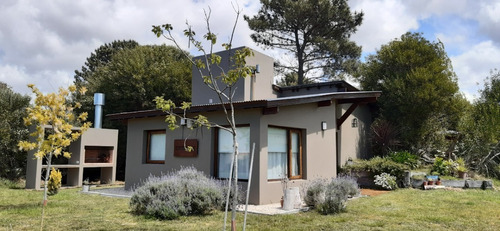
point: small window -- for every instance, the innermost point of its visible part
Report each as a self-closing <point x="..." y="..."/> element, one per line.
<point x="155" y="153"/>
<point x="284" y="158"/>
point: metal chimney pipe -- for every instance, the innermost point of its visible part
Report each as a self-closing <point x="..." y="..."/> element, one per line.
<point x="98" y="102"/>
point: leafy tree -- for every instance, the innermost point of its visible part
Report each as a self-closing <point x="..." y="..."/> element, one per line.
<point x="53" y="117"/>
<point x="101" y="57"/>
<point x="291" y="79"/>
<point x="222" y="84"/>
<point x="131" y="79"/>
<point x="12" y="130"/>
<point x="316" y="32"/>
<point x="480" y="130"/>
<point x="420" y="91"/>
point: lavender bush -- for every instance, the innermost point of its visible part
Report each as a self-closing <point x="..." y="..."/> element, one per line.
<point x="186" y="192"/>
<point x="329" y="197"/>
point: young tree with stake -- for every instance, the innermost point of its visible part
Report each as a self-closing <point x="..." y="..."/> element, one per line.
<point x="223" y="85"/>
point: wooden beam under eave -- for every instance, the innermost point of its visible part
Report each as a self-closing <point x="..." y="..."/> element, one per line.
<point x="270" y="110"/>
<point x="324" y="103"/>
<point x="346" y="114"/>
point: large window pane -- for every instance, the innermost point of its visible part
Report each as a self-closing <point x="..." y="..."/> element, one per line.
<point x="156" y="146"/>
<point x="225" y="148"/>
<point x="277" y="153"/>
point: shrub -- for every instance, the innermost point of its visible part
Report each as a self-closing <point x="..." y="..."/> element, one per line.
<point x="377" y="166"/>
<point x="443" y="167"/>
<point x="186" y="192"/>
<point x="386" y="181"/>
<point x="448" y="167"/>
<point x="329" y="197"/>
<point x="405" y="158"/>
<point x="54" y="182"/>
<point x="315" y="192"/>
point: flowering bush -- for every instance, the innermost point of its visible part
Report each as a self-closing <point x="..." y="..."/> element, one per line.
<point x="54" y="182"/>
<point x="186" y="192"/>
<point x="329" y="197"/>
<point x="386" y="181"/>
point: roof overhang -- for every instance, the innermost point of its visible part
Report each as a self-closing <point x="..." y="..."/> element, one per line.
<point x="269" y="106"/>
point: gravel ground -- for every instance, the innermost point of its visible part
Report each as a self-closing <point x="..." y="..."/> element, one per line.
<point x="112" y="192"/>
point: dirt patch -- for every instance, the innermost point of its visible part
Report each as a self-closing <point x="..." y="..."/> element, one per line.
<point x="372" y="192"/>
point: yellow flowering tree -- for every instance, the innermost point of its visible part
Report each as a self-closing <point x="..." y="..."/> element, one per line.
<point x="53" y="117"/>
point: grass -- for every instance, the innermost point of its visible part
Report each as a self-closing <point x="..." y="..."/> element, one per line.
<point x="406" y="209"/>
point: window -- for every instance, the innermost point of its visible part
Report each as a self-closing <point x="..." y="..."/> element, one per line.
<point x="284" y="157"/>
<point x="225" y="151"/>
<point x="155" y="153"/>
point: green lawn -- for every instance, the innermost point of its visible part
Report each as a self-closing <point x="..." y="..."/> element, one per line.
<point x="406" y="209"/>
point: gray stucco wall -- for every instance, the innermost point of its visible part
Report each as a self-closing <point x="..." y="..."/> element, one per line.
<point x="318" y="147"/>
<point x="253" y="87"/>
<point x="354" y="141"/>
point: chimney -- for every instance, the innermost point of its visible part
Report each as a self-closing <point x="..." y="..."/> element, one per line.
<point x="98" y="102"/>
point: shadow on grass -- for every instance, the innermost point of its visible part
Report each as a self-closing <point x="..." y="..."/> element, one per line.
<point x="20" y="206"/>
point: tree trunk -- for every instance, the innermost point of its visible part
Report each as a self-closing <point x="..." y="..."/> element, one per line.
<point x="235" y="184"/>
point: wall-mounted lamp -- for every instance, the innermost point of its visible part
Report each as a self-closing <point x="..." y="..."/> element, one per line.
<point x="354" y="123"/>
<point x="257" y="69"/>
<point x="323" y="126"/>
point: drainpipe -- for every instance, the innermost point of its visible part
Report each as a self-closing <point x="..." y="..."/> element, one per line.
<point x="98" y="102"/>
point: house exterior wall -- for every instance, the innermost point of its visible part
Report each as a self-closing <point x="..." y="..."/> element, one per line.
<point x="318" y="147"/>
<point x="353" y="141"/>
<point x="137" y="170"/>
<point x="251" y="88"/>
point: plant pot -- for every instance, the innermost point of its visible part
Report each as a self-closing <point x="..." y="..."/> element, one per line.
<point x="430" y="182"/>
<point x="425" y="183"/>
<point x="438" y="182"/>
<point x="462" y="175"/>
<point x="85" y="188"/>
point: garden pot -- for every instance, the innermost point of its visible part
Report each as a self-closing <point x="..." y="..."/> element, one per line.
<point x="438" y="182"/>
<point x="85" y="188"/>
<point x="462" y="175"/>
<point x="430" y="182"/>
<point x="292" y="198"/>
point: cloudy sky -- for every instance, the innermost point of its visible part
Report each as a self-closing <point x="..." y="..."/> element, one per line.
<point x="43" y="42"/>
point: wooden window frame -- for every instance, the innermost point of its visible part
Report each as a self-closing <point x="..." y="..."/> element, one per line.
<point x="149" y="133"/>
<point x="289" y="132"/>
<point x="299" y="133"/>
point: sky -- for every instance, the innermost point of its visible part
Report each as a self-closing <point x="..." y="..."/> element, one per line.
<point x="44" y="42"/>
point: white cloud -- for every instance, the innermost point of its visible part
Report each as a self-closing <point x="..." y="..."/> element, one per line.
<point x="383" y="21"/>
<point x="43" y="42"/>
<point x="473" y="66"/>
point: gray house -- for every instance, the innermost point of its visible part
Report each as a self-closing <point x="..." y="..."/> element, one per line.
<point x="300" y="132"/>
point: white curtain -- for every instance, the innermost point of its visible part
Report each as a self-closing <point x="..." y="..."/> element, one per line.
<point x="157" y="146"/>
<point x="226" y="151"/>
<point x="277" y="158"/>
